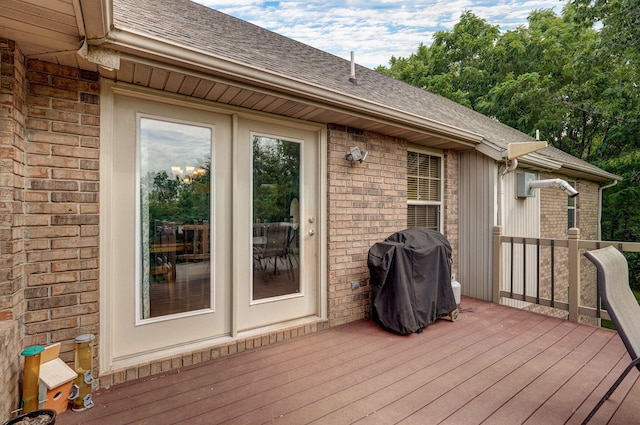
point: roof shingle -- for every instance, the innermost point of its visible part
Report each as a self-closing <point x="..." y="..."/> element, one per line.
<point x="210" y="32"/>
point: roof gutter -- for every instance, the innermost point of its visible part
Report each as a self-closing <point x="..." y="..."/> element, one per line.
<point x="94" y="17"/>
<point x="167" y="53"/>
<point x="603" y="175"/>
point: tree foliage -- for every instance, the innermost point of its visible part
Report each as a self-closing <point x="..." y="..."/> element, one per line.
<point x="180" y="199"/>
<point x="573" y="78"/>
<point x="276" y="178"/>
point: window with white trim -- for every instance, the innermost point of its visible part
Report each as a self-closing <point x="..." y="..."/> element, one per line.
<point x="424" y="190"/>
<point x="571" y="209"/>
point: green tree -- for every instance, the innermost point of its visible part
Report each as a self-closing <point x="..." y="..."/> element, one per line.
<point x="574" y="78"/>
<point x="455" y="65"/>
<point x="180" y="200"/>
<point x="276" y="179"/>
<point x="618" y="46"/>
<point x="552" y="77"/>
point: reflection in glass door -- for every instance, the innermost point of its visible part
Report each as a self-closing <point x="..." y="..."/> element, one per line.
<point x="175" y="212"/>
<point x="276" y="212"/>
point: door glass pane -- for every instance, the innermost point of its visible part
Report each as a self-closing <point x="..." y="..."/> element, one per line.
<point x="175" y="212"/>
<point x="276" y="217"/>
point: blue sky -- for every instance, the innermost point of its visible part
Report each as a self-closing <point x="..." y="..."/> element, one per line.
<point x="375" y="29"/>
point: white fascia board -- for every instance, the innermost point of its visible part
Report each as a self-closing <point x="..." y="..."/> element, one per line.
<point x="135" y="43"/>
<point x="97" y="17"/>
<point x="491" y="150"/>
<point x="533" y="160"/>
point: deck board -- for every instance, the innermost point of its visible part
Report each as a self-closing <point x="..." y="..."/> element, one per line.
<point x="495" y="365"/>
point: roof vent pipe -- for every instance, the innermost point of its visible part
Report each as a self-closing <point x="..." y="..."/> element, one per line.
<point x="353" y="69"/>
<point x="559" y="183"/>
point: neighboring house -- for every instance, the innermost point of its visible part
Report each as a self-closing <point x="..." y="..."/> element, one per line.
<point x="175" y="181"/>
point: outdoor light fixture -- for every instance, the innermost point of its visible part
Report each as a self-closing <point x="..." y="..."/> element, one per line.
<point x="354" y="154"/>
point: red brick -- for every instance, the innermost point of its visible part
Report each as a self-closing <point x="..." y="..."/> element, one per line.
<point x="51" y="325"/>
<point x="75" y="152"/>
<point x="54" y="138"/>
<point x="51" y="114"/>
<point x="50" y="279"/>
<point x="51" y="232"/>
<point x="74" y="197"/>
<point x="47" y="208"/>
<point x="74" y="311"/>
<point x="63" y="220"/>
<point x="52" y="302"/>
<point x="75" y="85"/>
<point x="54" y="162"/>
<point x="74" y="242"/>
<point x="62" y="266"/>
<point x="76" y="175"/>
<point x="47" y="91"/>
<point x="41" y="184"/>
<point x="64" y="127"/>
<point x="74" y="287"/>
<point x="53" y="69"/>
<point x="52" y="255"/>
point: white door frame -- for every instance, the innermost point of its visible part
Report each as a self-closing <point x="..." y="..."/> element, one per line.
<point x="108" y="91"/>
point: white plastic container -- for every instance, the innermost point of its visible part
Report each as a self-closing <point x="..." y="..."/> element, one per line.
<point x="457" y="289"/>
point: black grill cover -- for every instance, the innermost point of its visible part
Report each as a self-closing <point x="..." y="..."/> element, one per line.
<point x="410" y="280"/>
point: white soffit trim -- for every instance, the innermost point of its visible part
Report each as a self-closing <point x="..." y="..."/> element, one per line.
<point x="136" y="44"/>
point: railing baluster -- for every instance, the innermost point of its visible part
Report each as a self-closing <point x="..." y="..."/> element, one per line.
<point x="553" y="280"/>
<point x="538" y="271"/>
<point x="511" y="283"/>
<point x="598" y="244"/>
<point x="524" y="269"/>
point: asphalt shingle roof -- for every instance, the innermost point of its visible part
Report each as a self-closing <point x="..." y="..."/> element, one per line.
<point x="211" y="32"/>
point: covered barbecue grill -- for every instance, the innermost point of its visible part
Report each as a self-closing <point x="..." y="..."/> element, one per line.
<point x="411" y="280"/>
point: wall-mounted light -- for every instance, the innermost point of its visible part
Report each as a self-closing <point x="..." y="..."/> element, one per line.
<point x="354" y="154"/>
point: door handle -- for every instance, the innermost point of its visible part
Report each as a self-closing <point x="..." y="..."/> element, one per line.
<point x="312" y="232"/>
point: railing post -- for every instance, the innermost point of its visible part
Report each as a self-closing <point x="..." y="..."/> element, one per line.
<point x="574" y="274"/>
<point x="497" y="263"/>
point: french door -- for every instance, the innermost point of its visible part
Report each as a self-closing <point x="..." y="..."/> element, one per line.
<point x="209" y="226"/>
<point x="282" y="215"/>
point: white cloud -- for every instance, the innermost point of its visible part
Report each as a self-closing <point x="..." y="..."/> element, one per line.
<point x="374" y="29"/>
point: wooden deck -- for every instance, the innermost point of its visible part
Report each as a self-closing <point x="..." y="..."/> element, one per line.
<point x="495" y="365"/>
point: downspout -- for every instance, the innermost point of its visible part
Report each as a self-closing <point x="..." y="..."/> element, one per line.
<point x="600" y="190"/>
<point x="509" y="166"/>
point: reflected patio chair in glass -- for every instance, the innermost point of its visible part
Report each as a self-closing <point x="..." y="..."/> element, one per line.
<point x="621" y="304"/>
<point x="277" y="238"/>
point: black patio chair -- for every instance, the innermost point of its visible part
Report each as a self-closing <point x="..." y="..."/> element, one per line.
<point x="277" y="247"/>
<point x="621" y="304"/>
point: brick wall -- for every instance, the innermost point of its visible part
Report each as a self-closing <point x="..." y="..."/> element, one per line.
<point x="12" y="141"/>
<point x="553" y="225"/>
<point x="61" y="199"/>
<point x="49" y="157"/>
<point x="587" y="222"/>
<point x="451" y="203"/>
<point x="367" y="203"/>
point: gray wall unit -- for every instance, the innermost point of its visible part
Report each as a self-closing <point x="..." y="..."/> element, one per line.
<point x="477" y="212"/>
